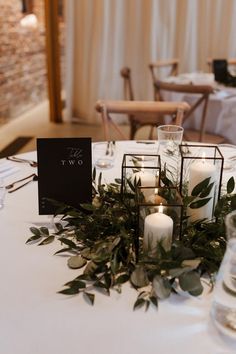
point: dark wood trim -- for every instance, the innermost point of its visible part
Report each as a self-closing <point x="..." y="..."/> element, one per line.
<point x="53" y="60"/>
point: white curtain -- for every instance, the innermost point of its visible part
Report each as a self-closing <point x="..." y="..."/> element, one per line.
<point x="105" y="35"/>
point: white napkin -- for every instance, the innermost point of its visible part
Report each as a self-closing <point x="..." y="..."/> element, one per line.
<point x="150" y="150"/>
<point x="6" y="169"/>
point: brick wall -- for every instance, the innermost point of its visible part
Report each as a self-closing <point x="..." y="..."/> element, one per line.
<point x="23" y="81"/>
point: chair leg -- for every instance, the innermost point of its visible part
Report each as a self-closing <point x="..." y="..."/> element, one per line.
<point x="203" y="122"/>
<point x="150" y="137"/>
<point x="133" y="129"/>
<point x="105" y="125"/>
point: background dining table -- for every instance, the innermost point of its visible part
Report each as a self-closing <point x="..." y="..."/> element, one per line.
<point x="35" y="318"/>
<point x="221" y="111"/>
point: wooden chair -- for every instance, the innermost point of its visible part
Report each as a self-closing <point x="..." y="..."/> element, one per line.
<point x="139" y="120"/>
<point x="202" y="93"/>
<point x="172" y="66"/>
<point x="133" y="108"/>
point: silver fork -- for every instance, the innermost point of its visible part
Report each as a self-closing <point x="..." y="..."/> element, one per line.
<point x="32" y="163"/>
<point x="35" y="178"/>
<point x="11" y="185"/>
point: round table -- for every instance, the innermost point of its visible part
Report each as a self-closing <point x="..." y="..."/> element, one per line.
<point x="34" y="318"/>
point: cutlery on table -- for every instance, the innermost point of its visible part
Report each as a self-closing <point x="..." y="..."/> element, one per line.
<point x="110" y="148"/>
<point x="32" y="163"/>
<point x="145" y="142"/>
<point x="34" y="177"/>
<point x="11" y="185"/>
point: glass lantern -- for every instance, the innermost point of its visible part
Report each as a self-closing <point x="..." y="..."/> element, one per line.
<point x="139" y="170"/>
<point x="200" y="179"/>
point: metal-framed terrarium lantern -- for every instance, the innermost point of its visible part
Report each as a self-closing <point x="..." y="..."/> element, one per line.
<point x="140" y="170"/>
<point x="200" y="178"/>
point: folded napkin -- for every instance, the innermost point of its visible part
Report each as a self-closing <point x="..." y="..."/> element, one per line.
<point x="6" y="169"/>
<point x="150" y="150"/>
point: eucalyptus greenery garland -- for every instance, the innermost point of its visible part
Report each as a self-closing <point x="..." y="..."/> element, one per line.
<point x="100" y="239"/>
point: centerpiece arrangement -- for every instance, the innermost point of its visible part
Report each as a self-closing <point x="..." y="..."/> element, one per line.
<point x="143" y="234"/>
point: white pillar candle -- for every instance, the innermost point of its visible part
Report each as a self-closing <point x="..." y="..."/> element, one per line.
<point x="158" y="227"/>
<point x="198" y="172"/>
<point x="147" y="179"/>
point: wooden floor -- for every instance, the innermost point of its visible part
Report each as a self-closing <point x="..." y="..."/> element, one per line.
<point x="35" y="123"/>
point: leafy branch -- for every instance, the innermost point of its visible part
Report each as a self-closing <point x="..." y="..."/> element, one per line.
<point x="100" y="241"/>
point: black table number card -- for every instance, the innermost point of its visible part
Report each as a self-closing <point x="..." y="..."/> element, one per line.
<point x="64" y="171"/>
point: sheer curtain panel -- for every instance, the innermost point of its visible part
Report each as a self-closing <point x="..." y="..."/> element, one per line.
<point x="105" y="35"/>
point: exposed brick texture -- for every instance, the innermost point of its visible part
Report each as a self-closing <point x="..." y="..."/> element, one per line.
<point x="23" y="81"/>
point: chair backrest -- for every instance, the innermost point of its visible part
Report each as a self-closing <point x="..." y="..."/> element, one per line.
<point x="202" y="96"/>
<point x="107" y="107"/>
<point x="128" y="87"/>
<point x="172" y="66"/>
<point x="231" y="61"/>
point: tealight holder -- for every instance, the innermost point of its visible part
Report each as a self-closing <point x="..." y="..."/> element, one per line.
<point x="139" y="170"/>
<point x="159" y="218"/>
<point x="201" y="163"/>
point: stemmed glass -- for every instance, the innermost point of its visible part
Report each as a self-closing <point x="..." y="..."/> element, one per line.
<point x="169" y="139"/>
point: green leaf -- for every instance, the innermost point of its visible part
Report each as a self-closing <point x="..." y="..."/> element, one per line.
<point x="147" y="302"/>
<point x="123" y="278"/>
<point x="230" y="185"/>
<point x="69" y="291"/>
<point x="76" y="262"/>
<point x="90" y="297"/>
<point x="34" y="238"/>
<point x="47" y="240"/>
<point x="35" y="231"/>
<point x="44" y="230"/>
<point x="101" y="285"/>
<point x="100" y="179"/>
<point x="86" y="253"/>
<point x="200" y="186"/>
<point x="90" y="268"/>
<point x="59" y="226"/>
<point x="94" y="174"/>
<point x="191" y="263"/>
<point x="87" y="206"/>
<point x="154" y="300"/>
<point x="67" y="242"/>
<point x="139" y="277"/>
<point x="161" y="287"/>
<point x="199" y="203"/>
<point x="191" y="282"/>
<point x="131" y="186"/>
<point x="77" y="284"/>
<point x="118" y="180"/>
<point x="176" y="272"/>
<point x="197" y="291"/>
<point x="233" y="202"/>
<point x="207" y="190"/>
<point x="67" y="249"/>
<point x="139" y="303"/>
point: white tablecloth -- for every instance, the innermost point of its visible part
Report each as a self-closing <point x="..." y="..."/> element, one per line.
<point x="34" y="318"/>
<point x="221" y="112"/>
